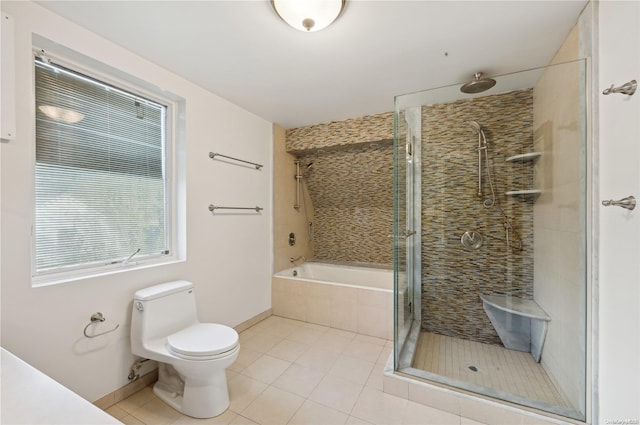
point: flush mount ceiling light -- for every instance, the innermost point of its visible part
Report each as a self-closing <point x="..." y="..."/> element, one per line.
<point x="308" y="15"/>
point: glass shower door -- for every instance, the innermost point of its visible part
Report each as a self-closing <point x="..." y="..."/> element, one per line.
<point x="406" y="226"/>
<point x="491" y="290"/>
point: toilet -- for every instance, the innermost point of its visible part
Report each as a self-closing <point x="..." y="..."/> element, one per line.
<point x="193" y="356"/>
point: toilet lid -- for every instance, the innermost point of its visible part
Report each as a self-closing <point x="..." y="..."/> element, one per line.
<point x="203" y="339"/>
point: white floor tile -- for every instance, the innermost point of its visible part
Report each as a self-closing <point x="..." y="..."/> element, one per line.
<point x="331" y="341"/>
<point x="273" y="407"/>
<point x="371" y="340"/>
<point x="343" y="333"/>
<point x="224" y="419"/>
<point x="242" y="391"/>
<point x="379" y="408"/>
<point x="241" y="420"/>
<point x="137" y="400"/>
<point x="311" y="413"/>
<point x="306" y="335"/>
<point x="291" y="372"/>
<point x="318" y="358"/>
<point x="266" y="369"/>
<point x="116" y="412"/>
<point x="130" y="420"/>
<point x="288" y="350"/>
<point x="262" y="342"/>
<point x="376" y="376"/>
<point x="336" y="393"/>
<point x="356" y="421"/>
<point x="299" y="380"/>
<point x="352" y="369"/>
<point x="363" y="350"/>
<point x="156" y="412"/>
<point x="467" y="421"/>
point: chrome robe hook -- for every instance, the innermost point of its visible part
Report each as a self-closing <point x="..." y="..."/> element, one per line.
<point x="628" y="88"/>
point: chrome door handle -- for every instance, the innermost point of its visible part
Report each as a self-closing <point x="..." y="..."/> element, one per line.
<point x="628" y="203"/>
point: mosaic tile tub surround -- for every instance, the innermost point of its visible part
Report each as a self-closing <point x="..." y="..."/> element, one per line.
<point x="352" y="193"/>
<point x="350" y="183"/>
<point x="370" y="128"/>
<point x="453" y="276"/>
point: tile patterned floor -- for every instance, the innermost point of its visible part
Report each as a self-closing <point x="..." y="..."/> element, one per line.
<point x="295" y="373"/>
<point x="498" y="368"/>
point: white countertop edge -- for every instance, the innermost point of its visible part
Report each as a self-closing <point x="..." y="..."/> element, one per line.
<point x="31" y="397"/>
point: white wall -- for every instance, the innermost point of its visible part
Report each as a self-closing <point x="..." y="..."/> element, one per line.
<point x="619" y="230"/>
<point x="228" y="257"/>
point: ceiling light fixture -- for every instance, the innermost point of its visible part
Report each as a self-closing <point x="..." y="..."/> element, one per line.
<point x="308" y="15"/>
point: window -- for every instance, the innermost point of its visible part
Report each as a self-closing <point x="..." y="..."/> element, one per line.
<point x="101" y="183"/>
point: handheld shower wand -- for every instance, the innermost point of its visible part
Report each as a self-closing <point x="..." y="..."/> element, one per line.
<point x="491" y="202"/>
<point x="482" y="145"/>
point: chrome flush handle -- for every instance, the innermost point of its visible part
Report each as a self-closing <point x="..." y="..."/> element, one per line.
<point x="628" y="203"/>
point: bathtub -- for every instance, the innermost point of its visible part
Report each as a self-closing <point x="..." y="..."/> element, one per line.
<point x="356" y="299"/>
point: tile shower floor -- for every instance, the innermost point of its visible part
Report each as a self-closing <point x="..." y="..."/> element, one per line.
<point x="291" y="372"/>
<point x="497" y="367"/>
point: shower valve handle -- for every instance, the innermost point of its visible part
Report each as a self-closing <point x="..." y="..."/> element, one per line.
<point x="628" y="203"/>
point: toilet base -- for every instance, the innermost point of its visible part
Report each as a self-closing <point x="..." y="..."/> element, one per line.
<point x="201" y="399"/>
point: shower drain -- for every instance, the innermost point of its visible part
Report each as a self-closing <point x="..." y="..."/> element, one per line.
<point x="473" y="368"/>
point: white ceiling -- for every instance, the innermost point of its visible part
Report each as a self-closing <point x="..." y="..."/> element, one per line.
<point x="243" y="52"/>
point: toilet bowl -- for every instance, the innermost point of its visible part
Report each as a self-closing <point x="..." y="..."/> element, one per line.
<point x="193" y="355"/>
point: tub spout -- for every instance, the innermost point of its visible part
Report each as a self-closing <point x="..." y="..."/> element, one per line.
<point x="293" y="260"/>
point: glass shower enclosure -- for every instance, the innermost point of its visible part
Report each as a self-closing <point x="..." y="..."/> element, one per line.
<point x="490" y="241"/>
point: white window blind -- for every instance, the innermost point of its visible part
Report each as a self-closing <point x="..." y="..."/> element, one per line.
<point x="100" y="179"/>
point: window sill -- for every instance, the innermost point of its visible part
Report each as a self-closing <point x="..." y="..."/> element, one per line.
<point x="55" y="279"/>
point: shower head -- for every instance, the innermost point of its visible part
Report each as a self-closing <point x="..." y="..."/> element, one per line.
<point x="482" y="140"/>
<point x="473" y="124"/>
<point x="309" y="165"/>
<point x="478" y="84"/>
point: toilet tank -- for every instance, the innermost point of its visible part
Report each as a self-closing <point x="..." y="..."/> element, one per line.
<point x="161" y="310"/>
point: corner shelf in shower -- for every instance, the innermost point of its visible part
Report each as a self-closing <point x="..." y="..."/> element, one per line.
<point x="524" y="157"/>
<point x="525" y="194"/>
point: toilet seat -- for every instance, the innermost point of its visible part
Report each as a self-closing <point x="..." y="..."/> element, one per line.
<point x="202" y="341"/>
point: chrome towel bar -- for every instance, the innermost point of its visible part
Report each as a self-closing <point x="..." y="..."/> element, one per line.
<point x="212" y="155"/>
<point x="212" y="208"/>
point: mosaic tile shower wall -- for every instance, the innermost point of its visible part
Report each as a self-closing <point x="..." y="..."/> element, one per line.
<point x="371" y="128"/>
<point x="453" y="276"/>
<point x="351" y="187"/>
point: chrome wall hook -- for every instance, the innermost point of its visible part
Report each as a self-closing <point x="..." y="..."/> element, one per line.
<point x="628" y="88"/>
<point x="97" y="317"/>
<point x="628" y="203"/>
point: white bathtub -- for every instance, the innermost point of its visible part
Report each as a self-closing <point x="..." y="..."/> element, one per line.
<point x="357" y="299"/>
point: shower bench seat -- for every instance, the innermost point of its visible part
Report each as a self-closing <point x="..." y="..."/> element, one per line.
<point x="521" y="324"/>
